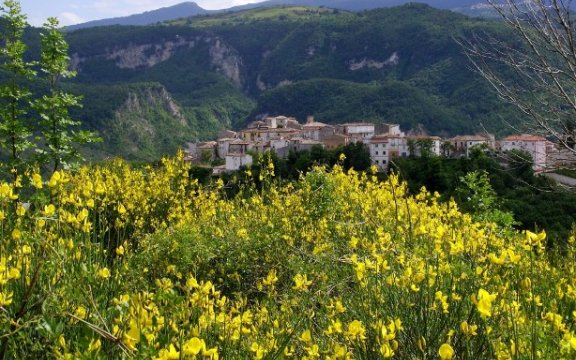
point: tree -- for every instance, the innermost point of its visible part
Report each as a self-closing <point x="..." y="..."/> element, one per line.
<point x="55" y="123"/>
<point x="535" y="70"/>
<point x="14" y="96"/>
<point x="51" y="119"/>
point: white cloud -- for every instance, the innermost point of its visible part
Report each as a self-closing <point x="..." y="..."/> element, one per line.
<point x="223" y="4"/>
<point x="69" y="18"/>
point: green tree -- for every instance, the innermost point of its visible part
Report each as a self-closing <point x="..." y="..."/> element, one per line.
<point x="14" y="96"/>
<point x="479" y="198"/>
<point x="60" y="141"/>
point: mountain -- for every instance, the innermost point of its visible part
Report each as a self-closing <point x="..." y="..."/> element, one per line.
<point x="188" y="9"/>
<point x="185" y="9"/>
<point x="149" y="89"/>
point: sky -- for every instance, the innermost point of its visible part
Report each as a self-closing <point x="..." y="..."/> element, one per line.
<point x="71" y="12"/>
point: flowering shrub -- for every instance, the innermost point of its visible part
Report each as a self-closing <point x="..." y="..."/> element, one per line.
<point x="113" y="262"/>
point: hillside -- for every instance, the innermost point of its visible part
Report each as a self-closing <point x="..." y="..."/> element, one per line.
<point x="388" y="65"/>
<point x="188" y="9"/>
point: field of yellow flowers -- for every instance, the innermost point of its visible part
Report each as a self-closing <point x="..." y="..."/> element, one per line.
<point x="114" y="262"/>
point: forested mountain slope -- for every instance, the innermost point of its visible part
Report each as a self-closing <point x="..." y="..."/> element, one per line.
<point x="399" y="65"/>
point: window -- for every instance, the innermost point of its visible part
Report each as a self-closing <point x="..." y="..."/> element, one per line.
<point x="376" y="152"/>
<point x="383" y="161"/>
<point x="377" y="161"/>
<point x="383" y="152"/>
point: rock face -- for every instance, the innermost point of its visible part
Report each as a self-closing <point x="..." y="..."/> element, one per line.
<point x="146" y="55"/>
<point x="158" y="97"/>
<point x="138" y="117"/>
<point x="223" y="58"/>
<point x="226" y="61"/>
<point x="373" y="64"/>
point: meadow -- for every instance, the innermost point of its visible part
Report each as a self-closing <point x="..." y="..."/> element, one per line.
<point x="113" y="261"/>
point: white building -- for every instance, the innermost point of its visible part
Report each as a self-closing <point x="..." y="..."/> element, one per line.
<point x="378" y="147"/>
<point x="384" y="148"/>
<point x="357" y="131"/>
<point x="464" y="143"/>
<point x="534" y="145"/>
<point x="236" y="161"/>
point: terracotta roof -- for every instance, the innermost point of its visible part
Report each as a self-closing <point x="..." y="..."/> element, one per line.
<point x="524" y="137"/>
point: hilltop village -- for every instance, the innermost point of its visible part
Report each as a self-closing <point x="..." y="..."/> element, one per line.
<point x="283" y="134"/>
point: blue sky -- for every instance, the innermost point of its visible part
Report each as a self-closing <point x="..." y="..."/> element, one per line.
<point x="76" y="11"/>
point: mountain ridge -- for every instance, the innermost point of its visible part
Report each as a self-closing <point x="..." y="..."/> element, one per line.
<point x="190" y="9"/>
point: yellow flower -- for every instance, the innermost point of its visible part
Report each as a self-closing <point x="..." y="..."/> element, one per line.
<point x="37" y="181"/>
<point x="193" y="346"/>
<point x="306" y="336"/>
<point x="386" y="351"/>
<point x="313" y="351"/>
<point x="104" y="273"/>
<point x="49" y="210"/>
<point x="120" y="250"/>
<point x="467" y="329"/>
<point x="356" y="330"/>
<point x="484" y="302"/>
<point x="271" y="278"/>
<point x="94" y="345"/>
<point x="168" y="354"/>
<point x="301" y="282"/>
<point x="26" y="249"/>
<point x="258" y="350"/>
<point x="211" y="353"/>
<point x="446" y="352"/>
<point x="80" y="312"/>
<point x="56" y="177"/>
<point x="132" y="337"/>
<point x="5" y="298"/>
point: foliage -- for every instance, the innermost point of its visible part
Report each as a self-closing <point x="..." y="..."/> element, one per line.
<point x="479" y="198"/>
<point x="113" y="261"/>
<point x="36" y="105"/>
<point x="512" y="189"/>
<point x="55" y="124"/>
<point x="15" y="132"/>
